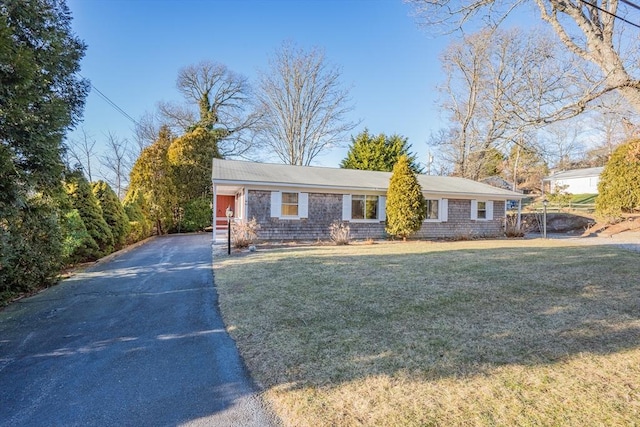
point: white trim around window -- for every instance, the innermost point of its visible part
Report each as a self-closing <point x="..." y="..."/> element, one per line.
<point x="442" y="209"/>
<point x="481" y="210"/>
<point x="289" y="201"/>
<point x="376" y="214"/>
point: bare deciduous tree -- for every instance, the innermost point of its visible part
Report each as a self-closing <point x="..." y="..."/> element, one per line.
<point x="303" y="104"/>
<point x="590" y="29"/>
<point x="116" y="164"/>
<point x="222" y="99"/>
<point x="146" y="131"/>
<point x="82" y="152"/>
<point x="499" y="85"/>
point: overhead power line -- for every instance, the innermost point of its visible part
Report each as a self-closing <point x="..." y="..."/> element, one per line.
<point x="613" y="14"/>
<point x="628" y="3"/>
<point x="110" y="102"/>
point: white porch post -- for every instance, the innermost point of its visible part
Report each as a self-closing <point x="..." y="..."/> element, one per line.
<point x="215" y="209"/>
<point x="519" y="221"/>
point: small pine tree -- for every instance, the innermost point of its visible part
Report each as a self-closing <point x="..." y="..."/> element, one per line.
<point x="378" y="153"/>
<point x="112" y="212"/>
<point x="619" y="186"/>
<point x="405" y="202"/>
<point x="82" y="199"/>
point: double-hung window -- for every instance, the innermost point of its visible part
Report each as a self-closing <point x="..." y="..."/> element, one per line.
<point x="364" y="207"/>
<point x="289" y="205"/>
<point x="436" y="210"/>
<point x="432" y="208"/>
<point x="482" y="210"/>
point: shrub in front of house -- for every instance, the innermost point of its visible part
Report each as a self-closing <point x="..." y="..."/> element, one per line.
<point x="511" y="228"/>
<point x="244" y="234"/>
<point x="340" y="233"/>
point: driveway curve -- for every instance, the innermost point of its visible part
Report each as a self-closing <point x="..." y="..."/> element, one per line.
<point x="135" y="340"/>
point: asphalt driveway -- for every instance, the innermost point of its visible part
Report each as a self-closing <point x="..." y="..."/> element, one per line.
<point x="137" y="340"/>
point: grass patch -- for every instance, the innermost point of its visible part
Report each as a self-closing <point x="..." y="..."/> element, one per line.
<point x="459" y="333"/>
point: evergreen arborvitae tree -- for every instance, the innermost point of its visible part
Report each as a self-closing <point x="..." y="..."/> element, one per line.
<point x="151" y="178"/>
<point x="41" y="96"/>
<point x="378" y="153"/>
<point x="139" y="224"/>
<point x="78" y="245"/>
<point x="619" y="186"/>
<point x="112" y="212"/>
<point x="30" y="248"/>
<point x="405" y="202"/>
<point x="82" y="199"/>
<point x="190" y="158"/>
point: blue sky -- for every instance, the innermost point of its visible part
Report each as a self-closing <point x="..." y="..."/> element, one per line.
<point x="136" y="47"/>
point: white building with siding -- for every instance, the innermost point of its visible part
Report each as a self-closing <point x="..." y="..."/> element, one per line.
<point x="575" y="181"/>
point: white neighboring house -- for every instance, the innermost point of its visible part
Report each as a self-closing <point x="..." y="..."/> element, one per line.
<point x="575" y="181"/>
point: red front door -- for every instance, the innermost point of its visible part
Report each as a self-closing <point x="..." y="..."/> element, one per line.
<point x="222" y="203"/>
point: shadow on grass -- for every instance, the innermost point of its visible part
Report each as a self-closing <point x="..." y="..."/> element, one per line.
<point x="326" y="316"/>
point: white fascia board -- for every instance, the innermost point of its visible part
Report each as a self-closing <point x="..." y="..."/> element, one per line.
<point x="360" y="189"/>
<point x="301" y="187"/>
<point x="470" y="196"/>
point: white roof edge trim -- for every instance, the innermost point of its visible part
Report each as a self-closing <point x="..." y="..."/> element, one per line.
<point x="288" y="185"/>
<point x="253" y="184"/>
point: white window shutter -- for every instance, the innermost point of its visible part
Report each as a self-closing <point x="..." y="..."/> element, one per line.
<point x="474" y="209"/>
<point x="489" y="210"/>
<point x="346" y="207"/>
<point x="382" y="207"/>
<point x="276" y="204"/>
<point x="444" y="210"/>
<point x="303" y="205"/>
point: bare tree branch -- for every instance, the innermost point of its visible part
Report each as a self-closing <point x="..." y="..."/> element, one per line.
<point x="218" y="100"/>
<point x="82" y="152"/>
<point x="303" y="105"/>
<point x="116" y="164"/>
<point x="500" y="86"/>
<point x="587" y="28"/>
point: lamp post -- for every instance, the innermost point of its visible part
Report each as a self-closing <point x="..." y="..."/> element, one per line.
<point x="545" y="202"/>
<point x="229" y="214"/>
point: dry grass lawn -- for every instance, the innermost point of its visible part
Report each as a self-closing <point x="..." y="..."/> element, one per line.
<point x="521" y="332"/>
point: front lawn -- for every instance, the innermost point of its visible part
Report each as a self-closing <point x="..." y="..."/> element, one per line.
<point x="525" y="332"/>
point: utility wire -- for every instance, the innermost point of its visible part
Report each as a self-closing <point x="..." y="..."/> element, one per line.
<point x="110" y="102"/>
<point x="612" y="14"/>
<point x="629" y="3"/>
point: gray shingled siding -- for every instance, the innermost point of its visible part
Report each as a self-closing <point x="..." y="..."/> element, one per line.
<point x="460" y="225"/>
<point x="326" y="208"/>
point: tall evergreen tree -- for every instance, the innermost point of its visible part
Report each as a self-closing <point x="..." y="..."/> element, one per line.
<point x="112" y="212"/>
<point x="405" y="202"/>
<point x="378" y="153"/>
<point x="190" y="158"/>
<point x="40" y="98"/>
<point x="619" y="185"/>
<point x="82" y="199"/>
<point x="152" y="179"/>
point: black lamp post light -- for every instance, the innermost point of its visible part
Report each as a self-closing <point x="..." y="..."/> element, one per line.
<point x="545" y="202"/>
<point x="229" y="214"/>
